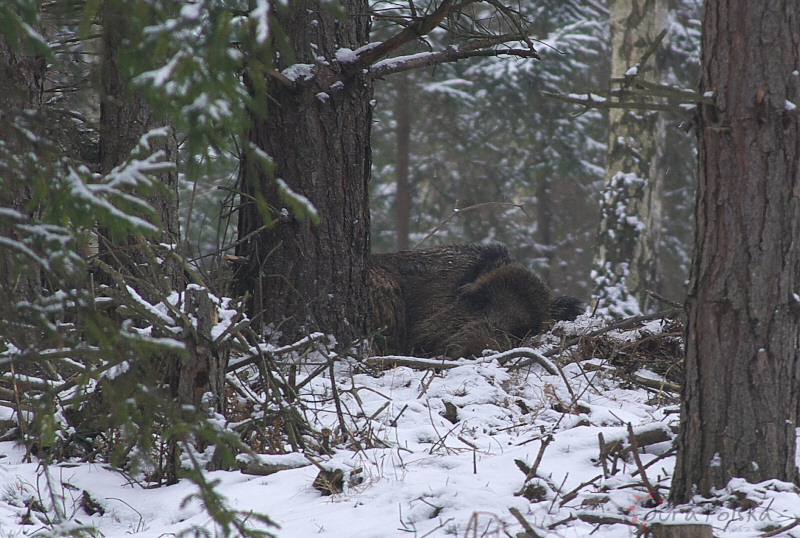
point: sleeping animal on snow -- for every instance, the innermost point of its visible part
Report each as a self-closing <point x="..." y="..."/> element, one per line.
<point x="457" y="300"/>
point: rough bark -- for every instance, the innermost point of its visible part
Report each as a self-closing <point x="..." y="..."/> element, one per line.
<point x="21" y="89"/>
<point x="302" y="276"/>
<point x="626" y="260"/>
<point x="740" y="394"/>
<point x="125" y="117"/>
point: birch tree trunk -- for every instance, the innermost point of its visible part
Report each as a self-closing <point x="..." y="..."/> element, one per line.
<point x="742" y="373"/>
<point x="626" y="263"/>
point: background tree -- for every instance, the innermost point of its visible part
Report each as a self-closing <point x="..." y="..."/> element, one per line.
<point x="22" y="79"/>
<point x="484" y="132"/>
<point x="88" y="354"/>
<point x="125" y="117"/>
<point x="312" y="151"/>
<point x="740" y="393"/>
<point x="402" y="115"/>
<point x="627" y="259"/>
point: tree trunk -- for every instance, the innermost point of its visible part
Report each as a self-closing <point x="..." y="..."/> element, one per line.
<point x="302" y="276"/>
<point x="626" y="259"/>
<point x="740" y="394"/>
<point x="402" y="205"/>
<point x="125" y="117"/>
<point x="22" y="79"/>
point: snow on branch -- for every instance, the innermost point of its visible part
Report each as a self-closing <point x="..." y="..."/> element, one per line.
<point x="419" y="27"/>
<point x="451" y="54"/>
<point x="117" y="186"/>
<point x="375" y="54"/>
<point x="636" y="93"/>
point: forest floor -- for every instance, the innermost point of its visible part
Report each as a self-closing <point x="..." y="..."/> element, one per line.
<point x="470" y="448"/>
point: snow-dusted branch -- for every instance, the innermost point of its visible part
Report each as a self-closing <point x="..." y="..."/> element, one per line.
<point x="367" y="56"/>
<point x="448" y="55"/>
<point x="634" y="92"/>
<point x="375" y="55"/>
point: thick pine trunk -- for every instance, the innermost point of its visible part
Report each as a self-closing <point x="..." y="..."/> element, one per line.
<point x="740" y="395"/>
<point x="302" y="276"/>
<point x="626" y="260"/>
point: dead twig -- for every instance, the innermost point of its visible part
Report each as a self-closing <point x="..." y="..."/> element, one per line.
<point x="662" y="299"/>
<point x="627" y="322"/>
<point x="529" y="531"/>
<point x="783" y="529"/>
<point x="603" y="453"/>
<point x="655" y="384"/>
<point x="574" y="493"/>
<point x="459" y="211"/>
<point x="532" y="470"/>
<point x="654" y="494"/>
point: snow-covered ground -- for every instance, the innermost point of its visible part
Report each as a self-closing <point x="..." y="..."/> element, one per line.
<point x="416" y="473"/>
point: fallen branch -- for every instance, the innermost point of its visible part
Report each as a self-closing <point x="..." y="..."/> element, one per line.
<point x="531" y="354"/>
<point x="608" y="328"/>
<point x="654" y="494"/>
<point x="654" y="384"/>
<point x="417" y="363"/>
<point x="529" y="531"/>
<point x="590" y="517"/>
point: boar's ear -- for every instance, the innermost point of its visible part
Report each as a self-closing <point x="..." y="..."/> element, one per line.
<point x="474" y="296"/>
<point x="489" y="257"/>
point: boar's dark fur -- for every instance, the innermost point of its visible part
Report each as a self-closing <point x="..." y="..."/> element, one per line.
<point x="458" y="300"/>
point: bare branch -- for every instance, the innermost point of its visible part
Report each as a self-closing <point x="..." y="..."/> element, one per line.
<point x="459" y="211"/>
<point x="449" y="55"/>
<point x="370" y="54"/>
<point x="374" y="54"/>
<point x="596" y="100"/>
<point x="636" y="93"/>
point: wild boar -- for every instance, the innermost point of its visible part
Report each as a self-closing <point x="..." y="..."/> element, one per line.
<point x="458" y="300"/>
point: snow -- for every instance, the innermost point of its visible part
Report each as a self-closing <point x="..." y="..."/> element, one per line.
<point x="261" y="15"/>
<point x="449" y="88"/>
<point x="348" y="55"/>
<point x="299" y="72"/>
<point x="589" y="97"/>
<point x="287" y="193"/>
<point x="415" y="472"/>
<point x="390" y="63"/>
